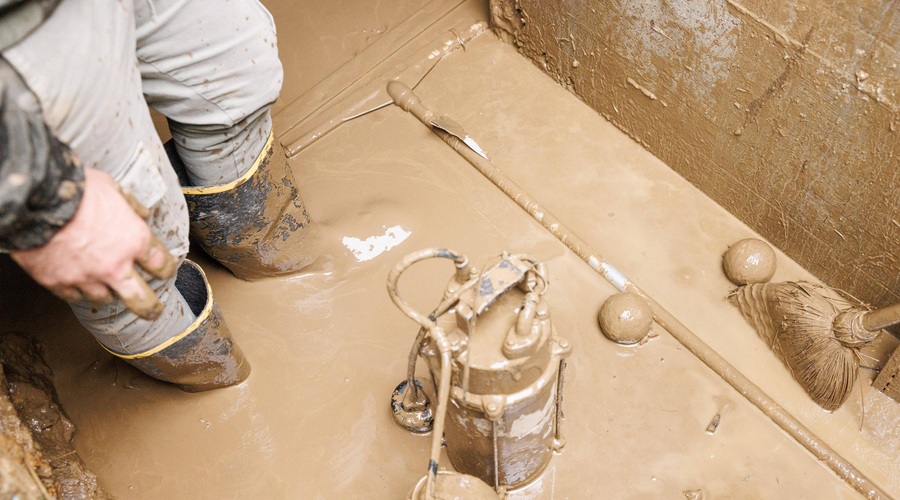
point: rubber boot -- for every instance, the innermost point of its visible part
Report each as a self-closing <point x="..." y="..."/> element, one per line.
<point x="202" y="357"/>
<point x="257" y="225"/>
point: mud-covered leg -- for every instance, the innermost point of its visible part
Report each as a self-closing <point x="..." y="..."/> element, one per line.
<point x="257" y="225"/>
<point x="212" y="69"/>
<point x="204" y="355"/>
<point x="189" y="343"/>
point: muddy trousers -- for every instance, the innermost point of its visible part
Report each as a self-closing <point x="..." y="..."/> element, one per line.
<point x="210" y="67"/>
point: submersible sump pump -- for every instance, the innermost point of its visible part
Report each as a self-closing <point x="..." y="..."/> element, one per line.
<point x="497" y="369"/>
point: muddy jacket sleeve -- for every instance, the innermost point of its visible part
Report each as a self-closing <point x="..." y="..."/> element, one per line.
<point x="41" y="182"/>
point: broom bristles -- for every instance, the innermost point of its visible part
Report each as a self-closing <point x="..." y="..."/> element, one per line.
<point x="796" y="320"/>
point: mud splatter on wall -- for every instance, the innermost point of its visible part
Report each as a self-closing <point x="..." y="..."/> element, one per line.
<point x="785" y="113"/>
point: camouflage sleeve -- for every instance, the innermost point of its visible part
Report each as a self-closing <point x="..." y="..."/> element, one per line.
<point x="41" y="182"/>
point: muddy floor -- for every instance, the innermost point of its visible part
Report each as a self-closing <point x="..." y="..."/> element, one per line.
<point x="328" y="346"/>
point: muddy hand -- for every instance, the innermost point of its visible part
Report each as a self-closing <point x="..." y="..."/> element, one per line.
<point x="95" y="256"/>
<point x="135" y="293"/>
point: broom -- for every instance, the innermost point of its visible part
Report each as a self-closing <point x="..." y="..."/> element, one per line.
<point x="815" y="332"/>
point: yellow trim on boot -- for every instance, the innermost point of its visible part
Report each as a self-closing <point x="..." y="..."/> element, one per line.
<point x="204" y="314"/>
<point x="235" y="183"/>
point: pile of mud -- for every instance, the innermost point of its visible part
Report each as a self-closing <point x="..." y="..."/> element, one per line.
<point x="37" y="459"/>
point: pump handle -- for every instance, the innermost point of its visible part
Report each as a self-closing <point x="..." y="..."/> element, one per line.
<point x="463" y="274"/>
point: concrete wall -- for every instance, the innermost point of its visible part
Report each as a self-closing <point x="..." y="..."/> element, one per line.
<point x="787" y="113"/>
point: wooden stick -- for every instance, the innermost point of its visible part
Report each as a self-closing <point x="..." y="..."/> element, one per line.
<point x="882" y="318"/>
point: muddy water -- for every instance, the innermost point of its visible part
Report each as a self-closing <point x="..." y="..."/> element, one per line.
<point x="328" y="347"/>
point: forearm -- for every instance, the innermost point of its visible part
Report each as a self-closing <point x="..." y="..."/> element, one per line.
<point x="41" y="182"/>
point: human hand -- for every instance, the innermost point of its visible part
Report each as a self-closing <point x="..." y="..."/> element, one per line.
<point x="95" y="254"/>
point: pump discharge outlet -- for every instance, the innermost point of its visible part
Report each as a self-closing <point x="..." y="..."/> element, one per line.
<point x="497" y="368"/>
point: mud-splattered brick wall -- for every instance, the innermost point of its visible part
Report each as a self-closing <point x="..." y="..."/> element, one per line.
<point x="786" y="112"/>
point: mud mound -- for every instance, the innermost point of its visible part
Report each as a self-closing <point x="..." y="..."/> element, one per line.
<point x="37" y="459"/>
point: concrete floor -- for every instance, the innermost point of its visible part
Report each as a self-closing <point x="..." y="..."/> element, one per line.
<point x="328" y="346"/>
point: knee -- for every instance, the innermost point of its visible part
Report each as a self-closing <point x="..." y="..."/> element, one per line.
<point x="263" y="75"/>
<point x="257" y="84"/>
<point x="239" y="75"/>
<point x="209" y="63"/>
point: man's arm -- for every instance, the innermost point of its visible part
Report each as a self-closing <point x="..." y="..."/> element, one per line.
<point x="41" y="182"/>
<point x="69" y="227"/>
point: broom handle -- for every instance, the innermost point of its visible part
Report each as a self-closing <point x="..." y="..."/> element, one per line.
<point x="881" y="318"/>
<point x="406" y="99"/>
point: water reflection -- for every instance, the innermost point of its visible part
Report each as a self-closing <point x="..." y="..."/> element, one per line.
<point x="373" y="246"/>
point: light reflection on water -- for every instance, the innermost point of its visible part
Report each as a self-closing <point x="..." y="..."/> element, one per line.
<point x="373" y="246"/>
